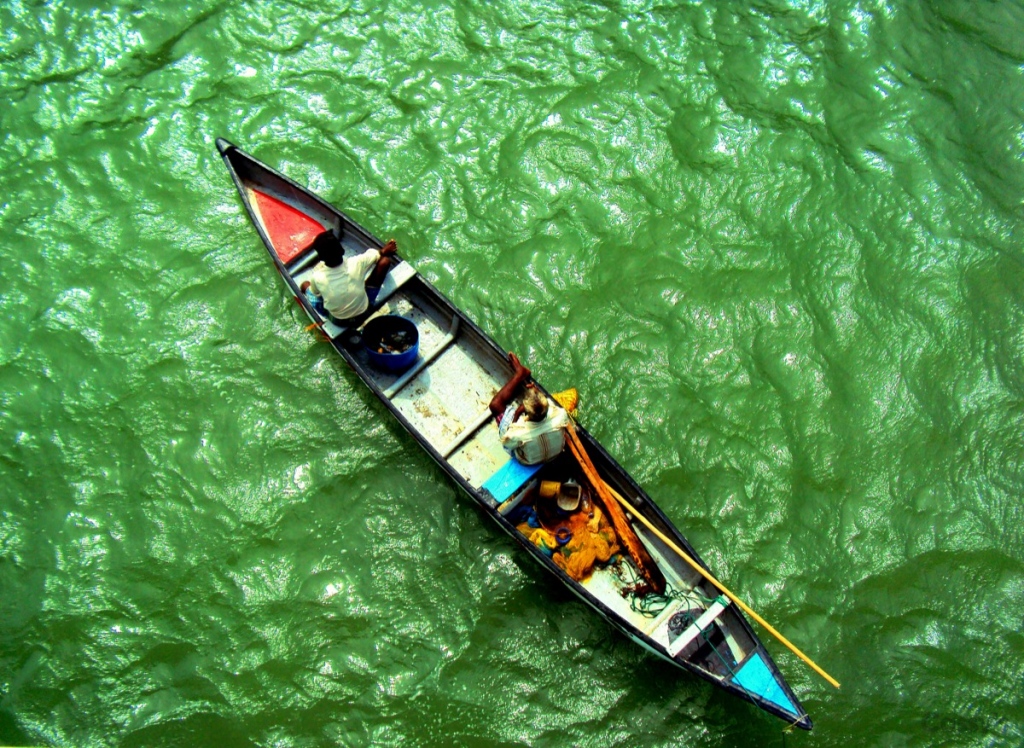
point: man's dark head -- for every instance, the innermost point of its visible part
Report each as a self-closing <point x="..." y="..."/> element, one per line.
<point x="535" y="404"/>
<point x="329" y="249"/>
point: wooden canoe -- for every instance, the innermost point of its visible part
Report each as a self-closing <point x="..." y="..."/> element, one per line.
<point x="442" y="401"/>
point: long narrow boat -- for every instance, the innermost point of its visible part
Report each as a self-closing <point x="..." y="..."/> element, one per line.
<point x="442" y="401"/>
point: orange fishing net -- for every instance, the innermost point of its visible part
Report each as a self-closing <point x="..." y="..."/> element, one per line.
<point x="593" y="542"/>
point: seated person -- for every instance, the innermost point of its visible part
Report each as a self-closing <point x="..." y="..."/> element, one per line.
<point x="533" y="431"/>
<point x="342" y="288"/>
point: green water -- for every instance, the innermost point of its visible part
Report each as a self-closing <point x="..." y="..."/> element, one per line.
<point x="777" y="247"/>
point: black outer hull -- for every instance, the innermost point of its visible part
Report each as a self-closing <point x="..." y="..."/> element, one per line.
<point x="642" y="501"/>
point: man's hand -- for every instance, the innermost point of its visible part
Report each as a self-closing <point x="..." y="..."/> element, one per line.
<point x="304" y="286"/>
<point x="389" y="249"/>
<point x="521" y="371"/>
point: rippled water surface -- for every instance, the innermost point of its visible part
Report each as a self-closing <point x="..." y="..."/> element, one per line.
<point x="776" y="246"/>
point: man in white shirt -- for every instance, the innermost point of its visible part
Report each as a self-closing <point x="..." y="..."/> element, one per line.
<point x="346" y="288"/>
<point x="532" y="431"/>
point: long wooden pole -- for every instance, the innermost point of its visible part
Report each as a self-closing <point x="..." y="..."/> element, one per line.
<point x="707" y="575"/>
<point x="636" y="550"/>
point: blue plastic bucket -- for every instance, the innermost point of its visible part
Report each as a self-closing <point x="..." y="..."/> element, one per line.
<point x="384" y="332"/>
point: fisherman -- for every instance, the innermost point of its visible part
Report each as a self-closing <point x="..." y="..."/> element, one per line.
<point x="343" y="289"/>
<point x="532" y="430"/>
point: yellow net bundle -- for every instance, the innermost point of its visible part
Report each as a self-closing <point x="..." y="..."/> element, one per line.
<point x="568" y="399"/>
<point x="592" y="542"/>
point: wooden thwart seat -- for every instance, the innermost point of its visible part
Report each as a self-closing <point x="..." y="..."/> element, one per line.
<point x="424" y="361"/>
<point x="677" y="645"/>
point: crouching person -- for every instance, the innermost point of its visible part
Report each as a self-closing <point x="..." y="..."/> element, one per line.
<point x="531" y="429"/>
<point x="344" y="289"/>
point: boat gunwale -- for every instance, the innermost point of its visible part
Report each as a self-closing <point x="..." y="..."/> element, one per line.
<point x="618" y="474"/>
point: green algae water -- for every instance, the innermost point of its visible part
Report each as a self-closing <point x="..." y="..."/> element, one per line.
<point x="776" y="246"/>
